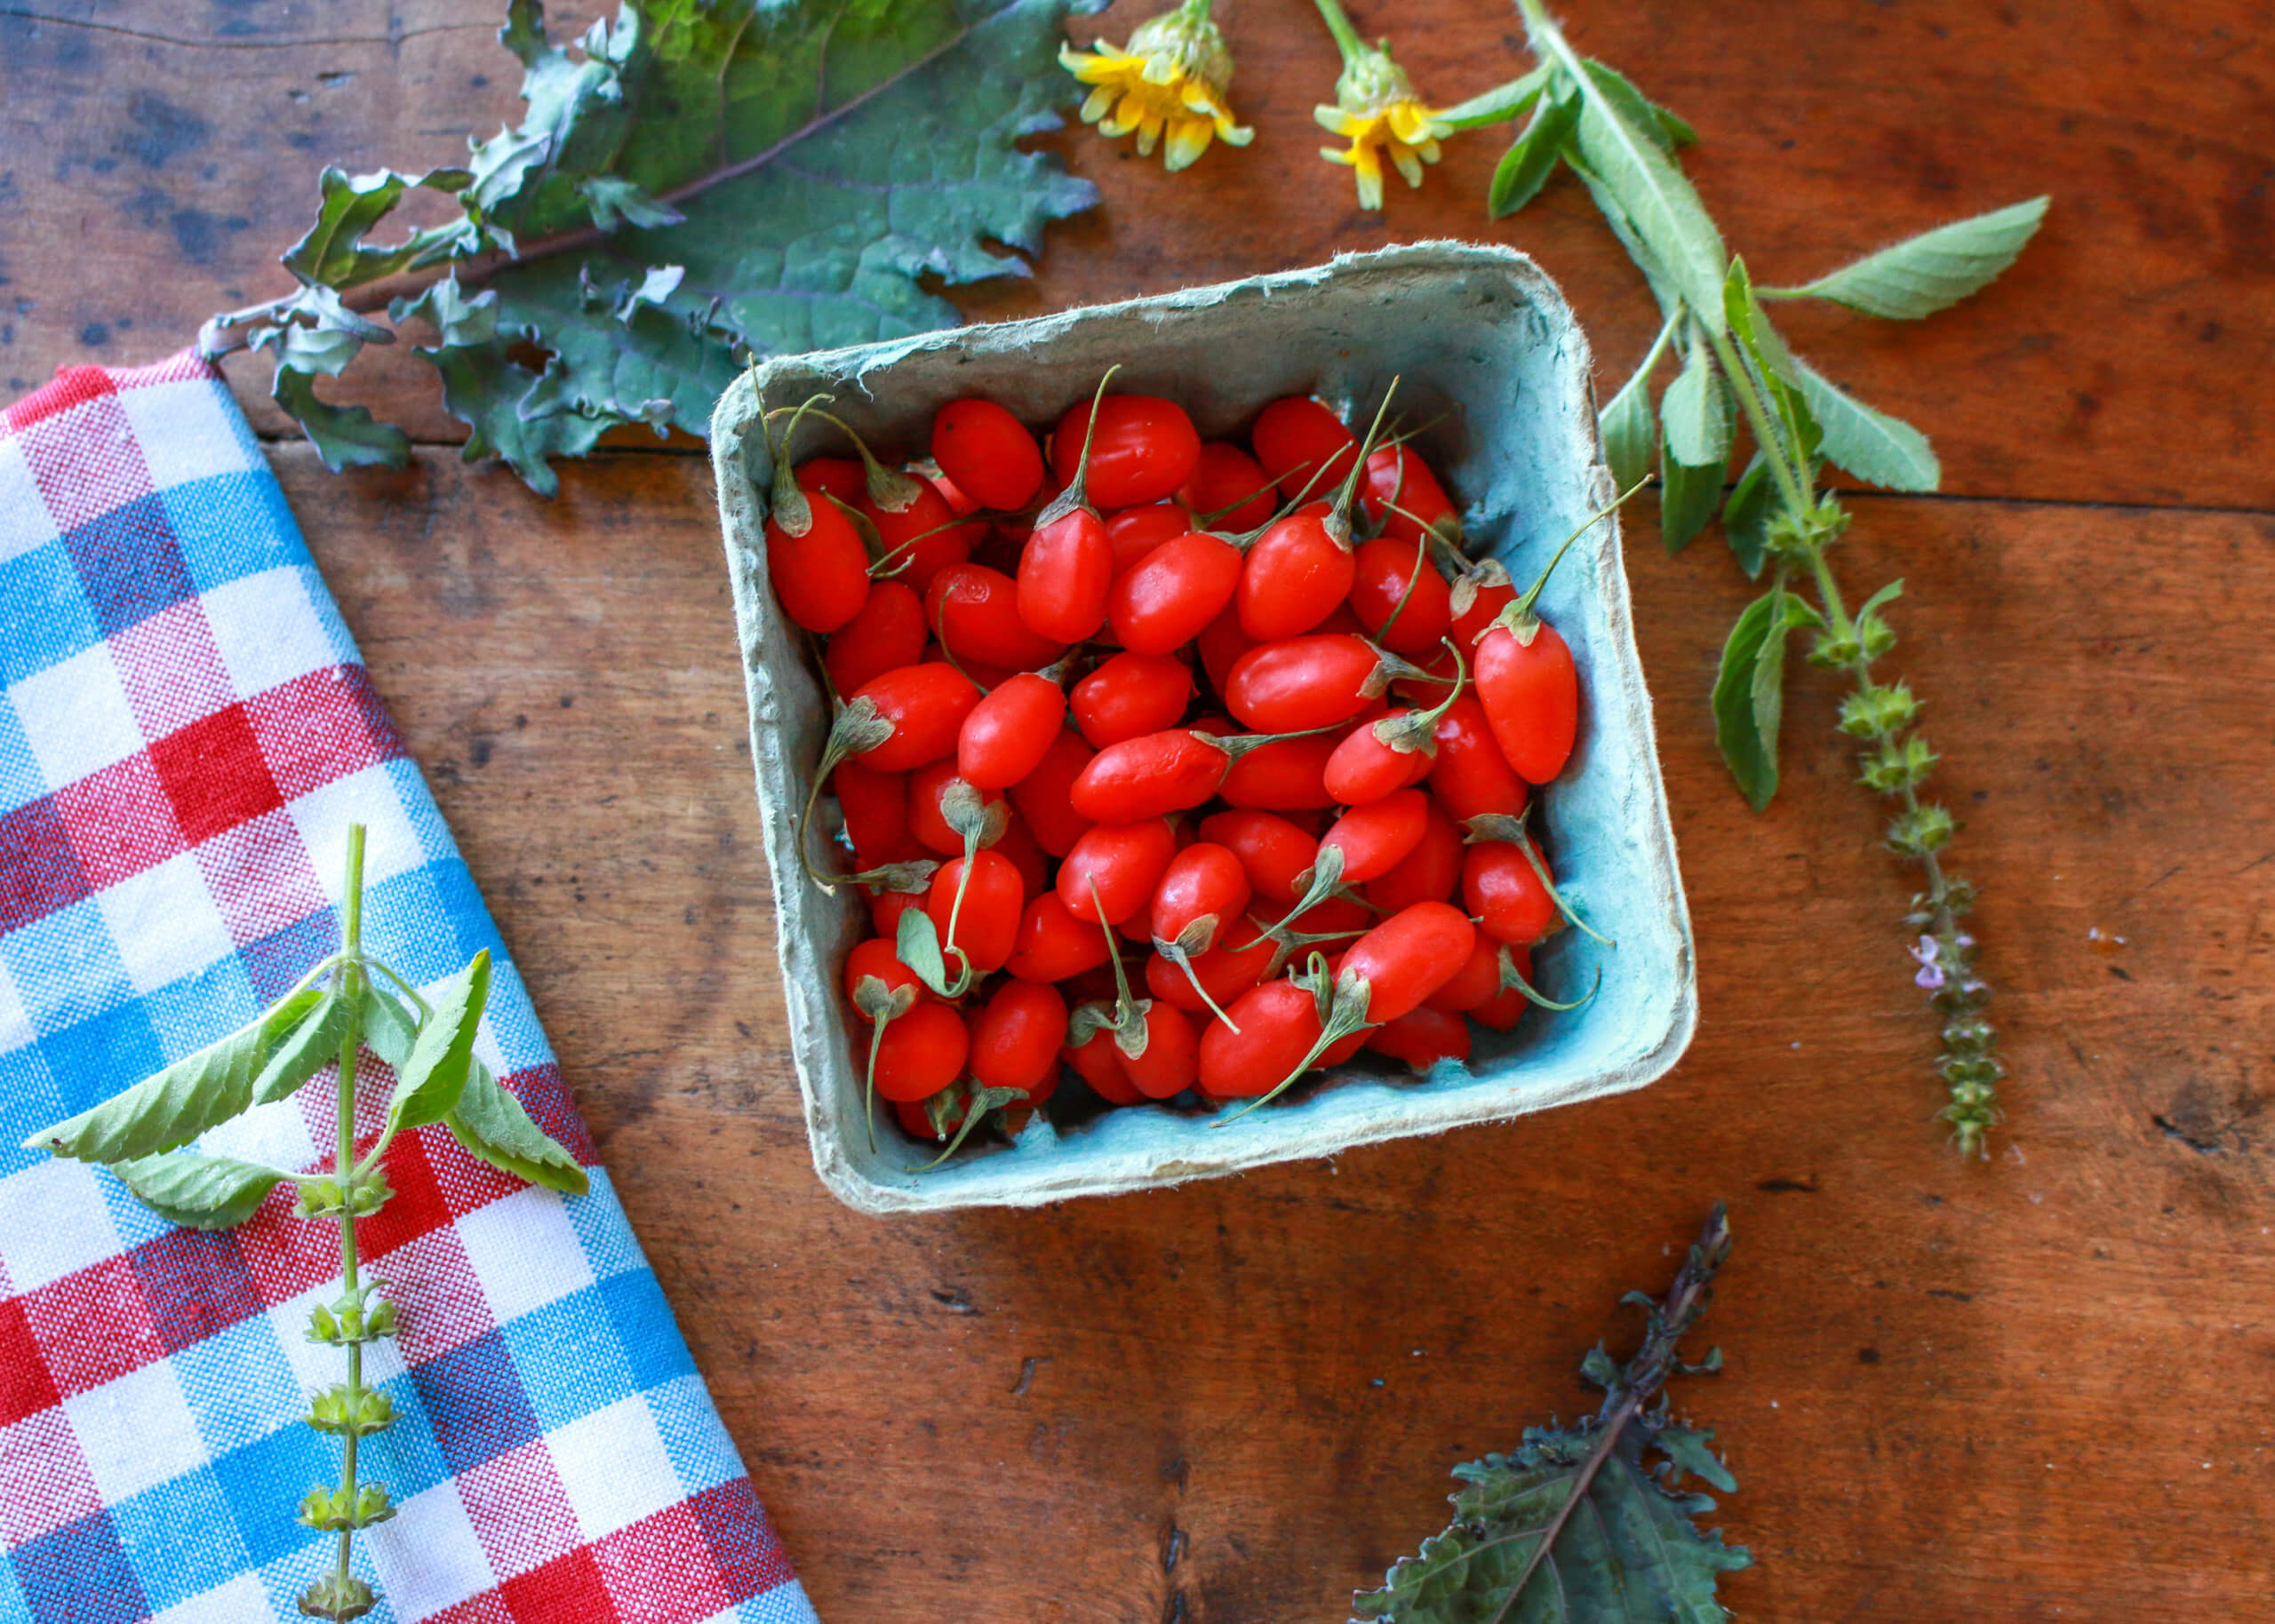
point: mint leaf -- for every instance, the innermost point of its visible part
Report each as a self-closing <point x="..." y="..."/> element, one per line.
<point x="305" y="1050"/>
<point x="429" y="1081"/>
<point x="172" y="1107"/>
<point x="1752" y="661"/>
<point x="1932" y="271"/>
<point x="1626" y="427"/>
<point x="1696" y="411"/>
<point x="1532" y="157"/>
<point x="491" y="1125"/>
<point x="389" y="1030"/>
<point x="198" y="1192"/>
<point x="804" y="168"/>
<point x="1501" y="103"/>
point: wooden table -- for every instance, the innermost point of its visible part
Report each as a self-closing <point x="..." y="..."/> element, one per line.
<point x="2030" y="1388"/>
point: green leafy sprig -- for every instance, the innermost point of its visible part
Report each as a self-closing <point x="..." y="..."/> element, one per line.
<point x="1732" y="367"/>
<point x="338" y="1010"/>
<point x="691" y="185"/>
<point x="1519" y="1551"/>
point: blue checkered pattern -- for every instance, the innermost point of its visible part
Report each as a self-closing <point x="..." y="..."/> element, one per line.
<point x="186" y="733"/>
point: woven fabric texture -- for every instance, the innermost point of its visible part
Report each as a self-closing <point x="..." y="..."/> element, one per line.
<point x="186" y="733"/>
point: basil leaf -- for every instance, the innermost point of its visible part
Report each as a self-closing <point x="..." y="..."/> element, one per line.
<point x="1688" y="499"/>
<point x="428" y="1084"/>
<point x="1745" y="516"/>
<point x="172" y="1107"/>
<point x="916" y="944"/>
<point x="308" y="1049"/>
<point x="198" y="1192"/>
<point x="1748" y="739"/>
<point x="1932" y="271"/>
<point x="1531" y="158"/>
<point x="1501" y="103"/>
<point x="1657" y="199"/>
<point x="491" y="1124"/>
<point x="1868" y="443"/>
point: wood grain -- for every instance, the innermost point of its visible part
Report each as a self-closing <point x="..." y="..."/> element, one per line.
<point x="2112" y="365"/>
<point x="2024" y="1390"/>
<point x="2015" y="1391"/>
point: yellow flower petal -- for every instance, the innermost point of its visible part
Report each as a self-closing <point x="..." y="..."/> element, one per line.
<point x="1335" y="155"/>
<point x="1231" y="133"/>
<point x="1337" y="121"/>
<point x="1095" y="106"/>
<point x="1409" y="166"/>
<point x="1188" y="139"/>
<point x="1410" y="122"/>
<point x="1148" y="133"/>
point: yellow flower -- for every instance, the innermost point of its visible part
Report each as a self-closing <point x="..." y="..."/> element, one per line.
<point x="1171" y="80"/>
<point x="1377" y="112"/>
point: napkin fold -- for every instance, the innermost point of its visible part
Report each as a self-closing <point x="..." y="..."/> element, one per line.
<point x="186" y="732"/>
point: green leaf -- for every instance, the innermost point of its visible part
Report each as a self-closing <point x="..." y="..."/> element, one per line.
<point x="1634" y="1551"/>
<point x="1655" y="274"/>
<point x="1697" y="413"/>
<point x="344" y="436"/>
<point x="1532" y="157"/>
<point x="916" y="944"/>
<point x="172" y="1107"/>
<point x="308" y="1049"/>
<point x="1932" y="271"/>
<point x="1745" y="516"/>
<point x="1501" y="103"/>
<point x="1626" y="427"/>
<point x="816" y="172"/>
<point x="198" y="1192"/>
<point x="1639" y="110"/>
<point x="428" y="1084"/>
<point x="390" y="1031"/>
<point x="1868" y="443"/>
<point x="1749" y="738"/>
<point x="1655" y="198"/>
<point x="490" y="1123"/>
<point x="1688" y="499"/>
<point x="1886" y="595"/>
<point x="332" y="254"/>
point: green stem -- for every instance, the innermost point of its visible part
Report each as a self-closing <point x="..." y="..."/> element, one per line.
<point x="1757" y="416"/>
<point x="1347" y="37"/>
<point x="352" y="975"/>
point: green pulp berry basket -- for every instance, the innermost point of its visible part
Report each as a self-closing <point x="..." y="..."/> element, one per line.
<point x="1487" y="355"/>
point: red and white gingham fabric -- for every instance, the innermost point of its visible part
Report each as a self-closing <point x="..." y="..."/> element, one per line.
<point x="186" y="732"/>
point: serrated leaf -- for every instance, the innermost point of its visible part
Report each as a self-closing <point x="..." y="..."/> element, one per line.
<point x="1688" y="499"/>
<point x="1532" y="157"/>
<point x="305" y="1050"/>
<point x="1687" y="1451"/>
<point x="1501" y="103"/>
<point x="1638" y="110"/>
<point x="429" y="1081"/>
<point x="1656" y="200"/>
<point x="813" y="170"/>
<point x="1767" y="695"/>
<point x="1932" y="271"/>
<point x="1662" y="286"/>
<point x="491" y="1124"/>
<point x="1635" y="1552"/>
<point x="198" y="1192"/>
<point x="1695" y="412"/>
<point x="173" y="1106"/>
<point x="1749" y="746"/>
<point x="344" y="436"/>
<point x="1869" y="442"/>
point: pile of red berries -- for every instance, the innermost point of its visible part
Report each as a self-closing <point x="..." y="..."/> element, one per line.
<point x="1193" y="767"/>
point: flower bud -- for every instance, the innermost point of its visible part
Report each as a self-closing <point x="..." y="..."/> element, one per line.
<point x="333" y="1597"/>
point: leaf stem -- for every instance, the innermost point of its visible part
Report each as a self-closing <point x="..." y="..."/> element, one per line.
<point x="352" y="975"/>
<point x="1339" y="24"/>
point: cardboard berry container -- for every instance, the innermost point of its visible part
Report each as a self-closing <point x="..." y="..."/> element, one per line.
<point x="1488" y="354"/>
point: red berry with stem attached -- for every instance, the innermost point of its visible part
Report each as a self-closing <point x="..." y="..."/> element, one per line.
<point x="1293" y="578"/>
<point x="1169" y="1063"/>
<point x="1224" y="973"/>
<point x="1429" y="873"/>
<point x="1400" y="597"/>
<point x="1143" y="449"/>
<point x="1505" y="894"/>
<point x="1471" y="778"/>
<point x="1112" y="869"/>
<point x="1378" y="837"/>
<point x="984" y="925"/>
<point x="1097" y="1062"/>
<point x="1273" y="853"/>
<point x="1403" y="497"/>
<point x="920" y="539"/>
<point x="988" y="452"/>
<point x="1010" y="731"/>
<point x="975" y="613"/>
<point x="928" y="817"/>
<point x="1287" y="777"/>
<point x="925" y="705"/>
<point x="1130" y="695"/>
<point x="1149" y="778"/>
<point x="1202" y="892"/>
<point x="1270" y="1030"/>
<point x="921" y="1053"/>
<point x="821" y="576"/>
<point x="1408" y="956"/>
<point x="1530" y="690"/>
<point x="842" y="477"/>
<point x="1300" y="683"/>
<point x="1055" y="944"/>
<point x="1065" y="573"/>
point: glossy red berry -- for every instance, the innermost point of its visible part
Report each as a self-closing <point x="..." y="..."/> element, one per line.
<point x="988" y="452"/>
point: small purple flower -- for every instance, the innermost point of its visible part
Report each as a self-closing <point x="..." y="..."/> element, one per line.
<point x="1930" y="978"/>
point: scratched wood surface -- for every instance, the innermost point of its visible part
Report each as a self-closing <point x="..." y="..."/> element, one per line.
<point x="2030" y="1389"/>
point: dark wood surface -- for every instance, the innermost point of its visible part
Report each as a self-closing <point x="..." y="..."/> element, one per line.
<point x="2030" y="1389"/>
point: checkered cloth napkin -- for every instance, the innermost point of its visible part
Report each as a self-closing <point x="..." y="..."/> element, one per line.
<point x="185" y="731"/>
